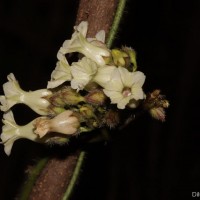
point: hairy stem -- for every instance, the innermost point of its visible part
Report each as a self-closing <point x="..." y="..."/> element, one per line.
<point x="33" y="175"/>
<point x="116" y="22"/>
<point x="75" y="176"/>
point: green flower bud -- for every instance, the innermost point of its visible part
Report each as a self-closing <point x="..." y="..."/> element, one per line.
<point x="132" y="65"/>
<point x="65" y="96"/>
<point x="87" y="111"/>
<point x="119" y="57"/>
<point x="96" y="97"/>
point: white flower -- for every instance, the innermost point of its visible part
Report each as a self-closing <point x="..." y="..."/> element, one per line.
<point x="14" y="95"/>
<point x="103" y="75"/>
<point x="64" y="123"/>
<point x="92" y="48"/>
<point x="124" y="86"/>
<point x="61" y="73"/>
<point x="82" y="72"/>
<point x="12" y="132"/>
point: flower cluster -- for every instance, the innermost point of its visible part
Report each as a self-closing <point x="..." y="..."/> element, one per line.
<point x="86" y="94"/>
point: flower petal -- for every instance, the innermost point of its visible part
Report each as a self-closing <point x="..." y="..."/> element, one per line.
<point x="103" y="75"/>
<point x="11" y="132"/>
<point x="113" y="95"/>
<point x="61" y="74"/>
<point x="137" y="92"/>
<point x="138" y="78"/>
<point x="82" y="72"/>
<point x="94" y="50"/>
<point x="115" y="83"/>
<point x="123" y="102"/>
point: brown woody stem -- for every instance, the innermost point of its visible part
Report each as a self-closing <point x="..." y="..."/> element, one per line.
<point x="56" y="176"/>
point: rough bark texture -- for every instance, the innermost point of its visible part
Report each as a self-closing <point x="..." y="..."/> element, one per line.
<point x="99" y="14"/>
<point x="54" y="179"/>
<point x="56" y="175"/>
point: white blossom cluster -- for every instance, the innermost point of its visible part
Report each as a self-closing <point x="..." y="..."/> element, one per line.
<point x="121" y="86"/>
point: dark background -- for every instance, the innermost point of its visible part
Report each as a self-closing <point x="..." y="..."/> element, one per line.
<point x="150" y="159"/>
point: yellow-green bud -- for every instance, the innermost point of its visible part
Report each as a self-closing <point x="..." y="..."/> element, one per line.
<point x="65" y="96"/>
<point x="119" y="57"/>
<point x="87" y="111"/>
<point x="96" y="97"/>
<point x="132" y="57"/>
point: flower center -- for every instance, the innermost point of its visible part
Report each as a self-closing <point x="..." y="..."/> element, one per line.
<point x="126" y="92"/>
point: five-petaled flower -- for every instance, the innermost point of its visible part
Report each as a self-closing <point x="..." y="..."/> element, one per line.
<point x="124" y="86"/>
<point x="12" y="132"/>
<point x="15" y="95"/>
<point x="92" y="48"/>
<point x="61" y="73"/>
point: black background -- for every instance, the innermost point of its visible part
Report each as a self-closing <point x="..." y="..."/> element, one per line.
<point x="150" y="159"/>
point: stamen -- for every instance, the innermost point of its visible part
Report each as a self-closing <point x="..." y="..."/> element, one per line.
<point x="126" y="92"/>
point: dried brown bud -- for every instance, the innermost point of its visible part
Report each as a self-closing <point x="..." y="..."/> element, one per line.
<point x="111" y="118"/>
<point x="158" y="113"/>
<point x="155" y="104"/>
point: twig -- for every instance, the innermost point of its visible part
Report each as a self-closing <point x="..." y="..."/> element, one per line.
<point x="59" y="174"/>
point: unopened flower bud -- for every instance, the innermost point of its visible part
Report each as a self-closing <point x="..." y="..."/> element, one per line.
<point x="54" y="110"/>
<point x="87" y="111"/>
<point x="111" y="118"/>
<point x="156" y="103"/>
<point x="119" y="57"/>
<point x="131" y="61"/>
<point x="65" y="96"/>
<point x="158" y="113"/>
<point x="96" y="97"/>
<point x="51" y="140"/>
<point x="64" y="123"/>
<point x="155" y="99"/>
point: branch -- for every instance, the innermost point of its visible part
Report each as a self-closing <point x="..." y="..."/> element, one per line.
<point x="99" y="14"/>
<point x="59" y="174"/>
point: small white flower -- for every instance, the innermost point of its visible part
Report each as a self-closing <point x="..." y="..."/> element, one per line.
<point x="12" y="132"/>
<point x="124" y="86"/>
<point x="103" y="75"/>
<point x="61" y="73"/>
<point x="91" y="47"/>
<point x="64" y="123"/>
<point x="14" y="95"/>
<point x="82" y="72"/>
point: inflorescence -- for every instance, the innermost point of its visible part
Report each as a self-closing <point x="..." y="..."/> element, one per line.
<point x="87" y="94"/>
